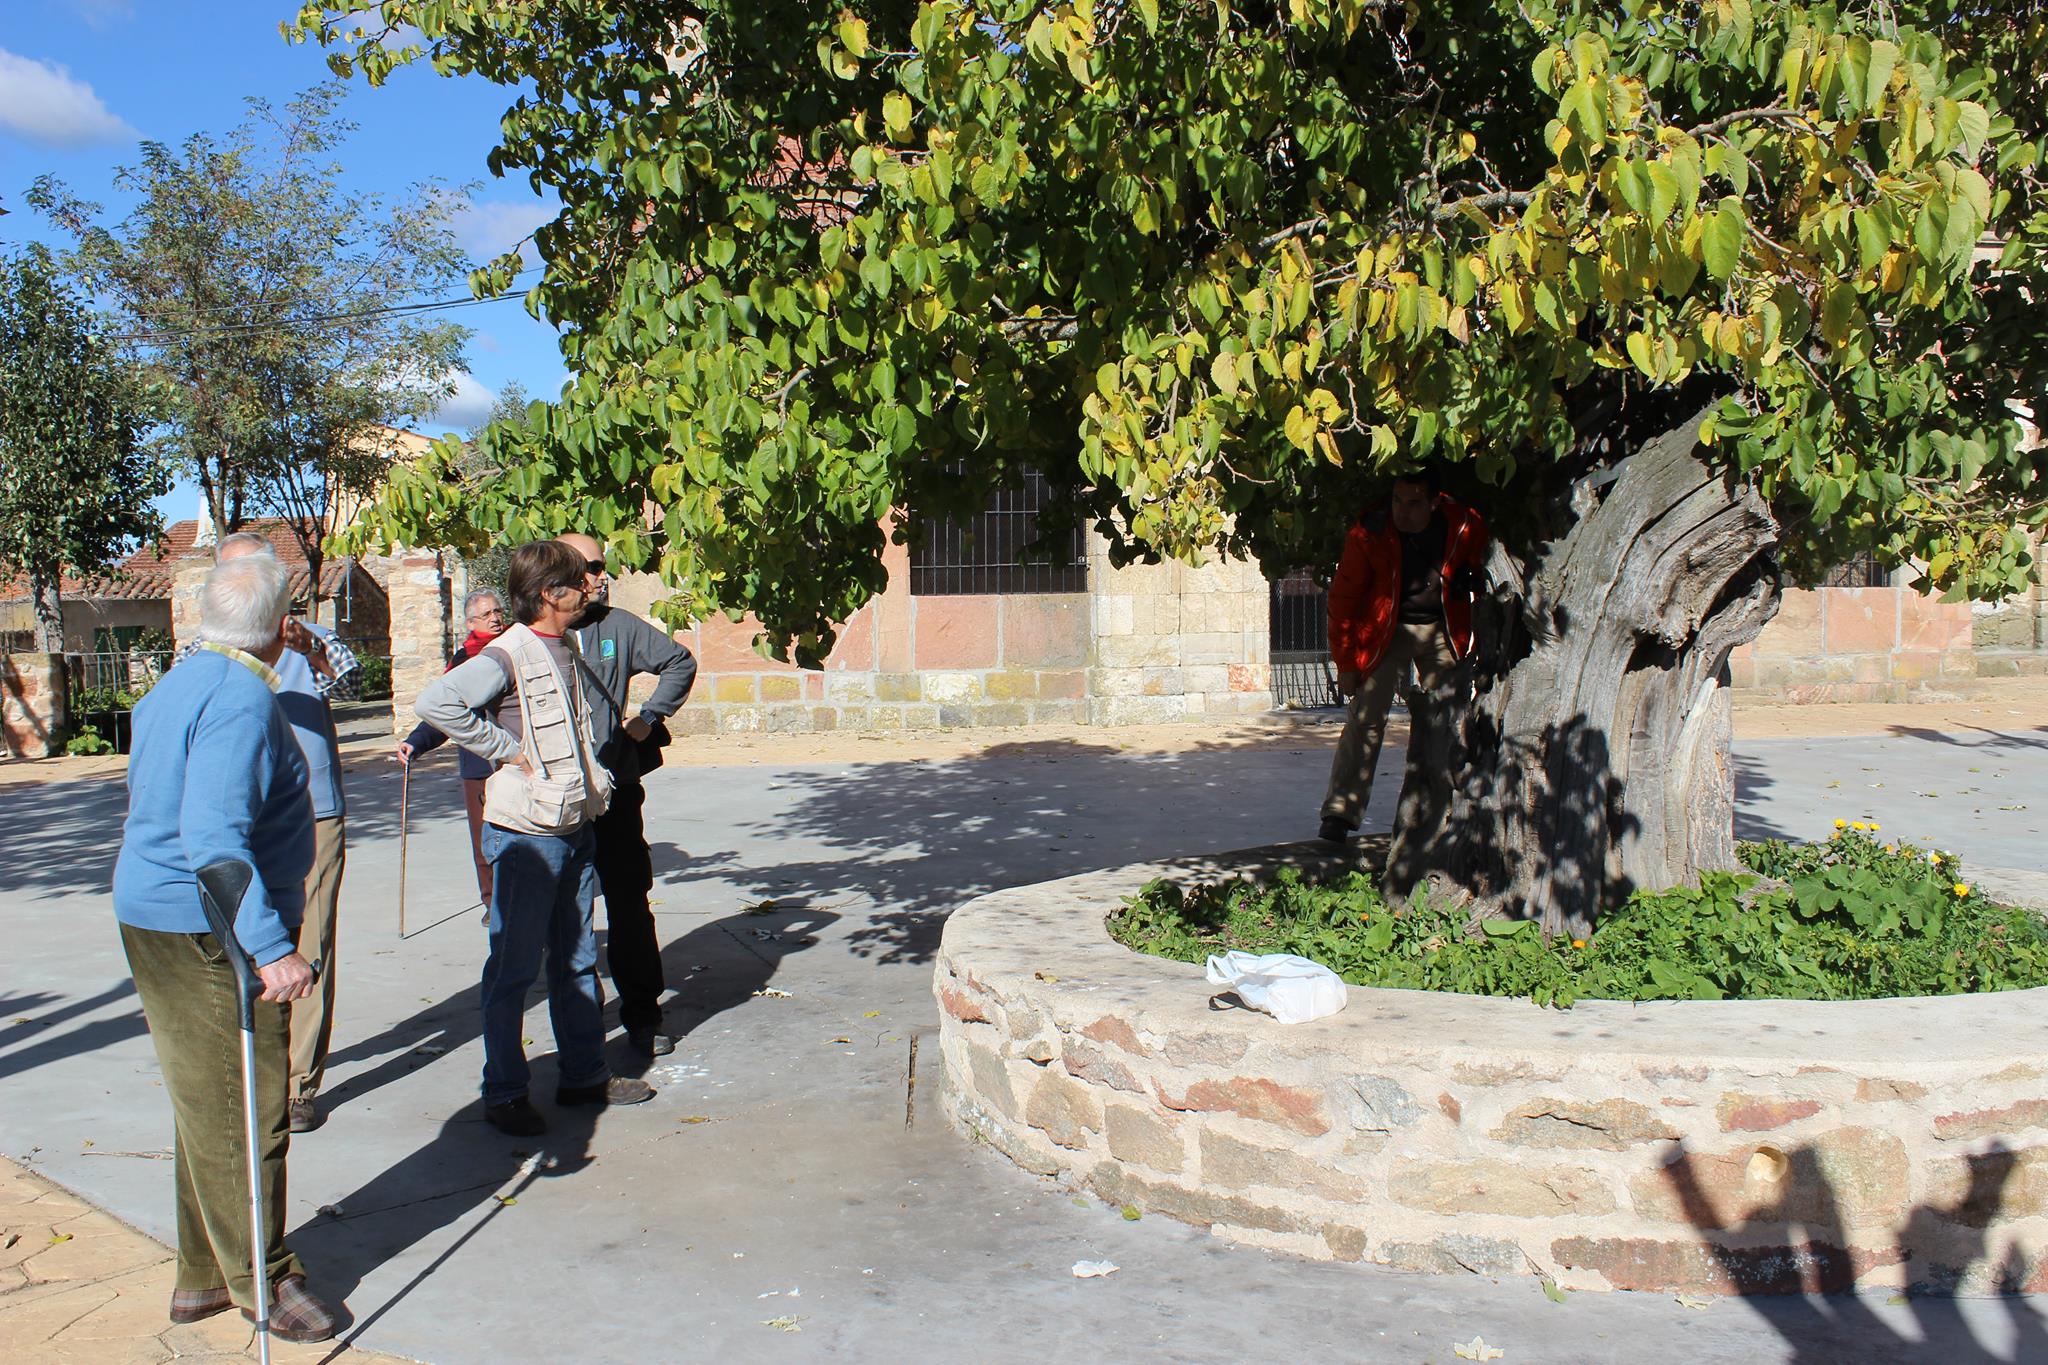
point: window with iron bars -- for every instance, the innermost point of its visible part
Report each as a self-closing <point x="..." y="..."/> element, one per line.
<point x="981" y="554"/>
<point x="1859" y="571"/>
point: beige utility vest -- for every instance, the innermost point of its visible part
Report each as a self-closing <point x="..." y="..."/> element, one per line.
<point x="568" y="787"/>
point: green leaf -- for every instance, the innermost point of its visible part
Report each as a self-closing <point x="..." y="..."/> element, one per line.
<point x="896" y="113"/>
<point x="1721" y="240"/>
<point x="1148" y="10"/>
<point x="853" y="35"/>
<point x="1884" y="59"/>
<point x="1973" y="125"/>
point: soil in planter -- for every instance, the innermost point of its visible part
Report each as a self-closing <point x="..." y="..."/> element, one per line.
<point x="1854" y="918"/>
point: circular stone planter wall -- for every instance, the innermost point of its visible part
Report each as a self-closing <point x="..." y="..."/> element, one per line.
<point x="1742" y="1147"/>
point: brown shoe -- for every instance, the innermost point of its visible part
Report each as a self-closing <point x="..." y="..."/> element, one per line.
<point x="296" y="1314"/>
<point x="617" y="1090"/>
<point x="303" y="1115"/>
<point x="196" y="1305"/>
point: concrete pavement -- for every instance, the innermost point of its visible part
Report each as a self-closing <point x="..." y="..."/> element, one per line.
<point x="772" y="1203"/>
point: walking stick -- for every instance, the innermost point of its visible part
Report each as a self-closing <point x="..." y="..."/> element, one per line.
<point x="404" y="791"/>
<point x="221" y="888"/>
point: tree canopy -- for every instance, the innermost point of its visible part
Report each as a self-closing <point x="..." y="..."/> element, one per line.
<point x="270" y="307"/>
<point x="1218" y="267"/>
<point x="77" y="490"/>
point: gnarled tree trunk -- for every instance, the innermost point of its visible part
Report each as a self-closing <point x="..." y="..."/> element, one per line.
<point x="1592" y="757"/>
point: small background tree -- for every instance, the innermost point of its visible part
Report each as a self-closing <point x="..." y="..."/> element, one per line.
<point x="273" y="310"/>
<point x="77" y="489"/>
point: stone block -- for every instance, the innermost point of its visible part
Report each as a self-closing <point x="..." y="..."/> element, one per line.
<point x="1493" y="1186"/>
<point x="32" y="705"/>
<point x="1136" y="651"/>
<point x="1846" y="1178"/>
<point x="1237" y="1165"/>
<point x="1089" y="1062"/>
<point x="1116" y="1185"/>
<point x="1376" y="1103"/>
<point x="1884" y="1089"/>
<point x="989" y="1079"/>
<point x="1141" y="1138"/>
<point x="1255" y="1097"/>
<point x="2002" y="1121"/>
<point x="1608" y="1125"/>
<point x="1979" y="1189"/>
<point x="1690" y="1265"/>
<point x="898" y="687"/>
<point x="920" y="717"/>
<point x="854" y="687"/>
<point x="1206" y="678"/>
<point x="733" y="688"/>
<point x="780" y="688"/>
<point x="1059" y="713"/>
<point x="1064" y="1110"/>
<point x="1136" y="710"/>
<point x="1249" y="677"/>
<point x="950" y="689"/>
<point x="1212" y="649"/>
<point x="1042" y="630"/>
<point x="826" y="718"/>
<point x="854" y="650"/>
<point x="1795" y="632"/>
<point x="1114" y="616"/>
<point x="1455" y="1252"/>
<point x="1011" y="686"/>
<point x="1860" y="620"/>
<point x="1112" y="1029"/>
<point x="1115" y="682"/>
<point x="1162" y="682"/>
<point x="999" y="714"/>
<point x="954" y="632"/>
<point x="1741" y="1113"/>
<point x="1069" y="684"/>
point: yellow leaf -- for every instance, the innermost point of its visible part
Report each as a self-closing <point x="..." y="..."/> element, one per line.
<point x="1476" y="1349"/>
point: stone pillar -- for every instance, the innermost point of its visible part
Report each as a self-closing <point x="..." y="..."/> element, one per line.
<point x="186" y="584"/>
<point x="32" y="704"/>
<point x="1173" y="641"/>
<point x="420" y="585"/>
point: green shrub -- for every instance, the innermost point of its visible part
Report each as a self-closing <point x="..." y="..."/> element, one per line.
<point x="376" y="679"/>
<point x="1850" y="919"/>
<point x="86" y="743"/>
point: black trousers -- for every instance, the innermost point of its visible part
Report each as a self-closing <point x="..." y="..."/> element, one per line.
<point x="625" y="871"/>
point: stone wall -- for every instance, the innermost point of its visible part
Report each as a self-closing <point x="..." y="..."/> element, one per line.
<point x="32" y="717"/>
<point x="1868" y="644"/>
<point x="1712" y="1147"/>
<point x="423" y="590"/>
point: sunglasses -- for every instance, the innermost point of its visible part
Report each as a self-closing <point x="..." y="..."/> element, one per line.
<point x="594" y="565"/>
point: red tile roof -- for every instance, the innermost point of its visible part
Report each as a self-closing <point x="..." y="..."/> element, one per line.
<point x="149" y="573"/>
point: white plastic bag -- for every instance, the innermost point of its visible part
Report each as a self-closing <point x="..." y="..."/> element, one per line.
<point x="1292" y="989"/>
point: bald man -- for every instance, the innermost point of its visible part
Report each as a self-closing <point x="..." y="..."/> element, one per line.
<point x="613" y="647"/>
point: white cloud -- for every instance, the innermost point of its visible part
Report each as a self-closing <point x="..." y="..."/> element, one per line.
<point x="468" y="406"/>
<point x="104" y="13"/>
<point x="41" y="102"/>
<point x="489" y="229"/>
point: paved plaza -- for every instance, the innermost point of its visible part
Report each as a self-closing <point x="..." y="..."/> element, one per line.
<point x="793" y="1192"/>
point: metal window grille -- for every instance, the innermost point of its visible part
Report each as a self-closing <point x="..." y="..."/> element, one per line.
<point x="1859" y="571"/>
<point x="982" y="553"/>
<point x="1303" y="675"/>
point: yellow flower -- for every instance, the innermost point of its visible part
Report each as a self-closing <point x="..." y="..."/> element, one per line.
<point x="1891" y="848"/>
<point x="1841" y="824"/>
<point x="1578" y="943"/>
<point x="1857" y="825"/>
<point x="1875" y="827"/>
<point x="1962" y="889"/>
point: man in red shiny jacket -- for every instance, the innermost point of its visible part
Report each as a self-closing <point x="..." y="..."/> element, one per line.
<point x="1402" y="595"/>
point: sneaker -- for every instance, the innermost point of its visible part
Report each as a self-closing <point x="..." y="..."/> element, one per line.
<point x="617" y="1090"/>
<point x="1334" y="831"/>
<point x="297" y="1313"/>
<point x="196" y="1305"/>
<point x="516" y="1118"/>
<point x="304" y="1116"/>
<point x="650" y="1043"/>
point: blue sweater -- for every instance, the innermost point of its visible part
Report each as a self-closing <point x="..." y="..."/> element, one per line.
<point x="215" y="772"/>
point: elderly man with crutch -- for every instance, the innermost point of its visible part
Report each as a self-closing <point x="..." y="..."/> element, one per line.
<point x="217" y="781"/>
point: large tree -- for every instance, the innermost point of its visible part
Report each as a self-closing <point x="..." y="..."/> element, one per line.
<point x="77" y="490"/>
<point x="1687" y="296"/>
<point x="274" y="308"/>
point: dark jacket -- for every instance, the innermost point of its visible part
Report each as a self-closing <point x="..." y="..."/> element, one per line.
<point x="613" y="647"/>
<point x="425" y="738"/>
<point x="1365" y="596"/>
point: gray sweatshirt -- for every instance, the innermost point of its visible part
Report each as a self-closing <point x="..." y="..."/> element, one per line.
<point x="451" y="702"/>
<point x="614" y="646"/>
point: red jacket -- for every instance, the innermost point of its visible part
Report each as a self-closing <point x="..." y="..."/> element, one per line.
<point x="1365" y="595"/>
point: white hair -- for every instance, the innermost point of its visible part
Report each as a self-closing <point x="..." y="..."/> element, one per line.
<point x="244" y="602"/>
<point x="490" y="595"/>
<point x="243" y="543"/>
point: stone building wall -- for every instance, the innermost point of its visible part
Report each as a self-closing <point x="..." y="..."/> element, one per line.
<point x="32" y="711"/>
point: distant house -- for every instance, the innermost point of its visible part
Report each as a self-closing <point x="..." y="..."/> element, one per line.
<point x="130" y="607"/>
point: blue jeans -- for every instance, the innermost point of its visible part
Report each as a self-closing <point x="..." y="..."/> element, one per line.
<point x="542" y="886"/>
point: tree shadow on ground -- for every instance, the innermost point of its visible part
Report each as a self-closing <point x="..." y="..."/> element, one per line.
<point x="1792" y="1231"/>
<point x="18" y="1054"/>
<point x="1975" y="737"/>
<point x="908" y="842"/>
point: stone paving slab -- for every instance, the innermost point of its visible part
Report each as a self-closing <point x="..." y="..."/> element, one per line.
<point x="80" y="1285"/>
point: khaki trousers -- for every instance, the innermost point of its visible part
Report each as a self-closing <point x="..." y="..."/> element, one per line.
<point x="188" y="998"/>
<point x="473" y="807"/>
<point x="313" y="1015"/>
<point x="1358" y="749"/>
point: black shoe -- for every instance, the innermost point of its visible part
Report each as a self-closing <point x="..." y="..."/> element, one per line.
<point x="650" y="1043"/>
<point x="516" y="1118"/>
<point x="1334" y="832"/>
<point x="617" y="1090"/>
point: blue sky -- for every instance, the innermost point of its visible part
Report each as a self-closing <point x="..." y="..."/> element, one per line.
<point x="82" y="82"/>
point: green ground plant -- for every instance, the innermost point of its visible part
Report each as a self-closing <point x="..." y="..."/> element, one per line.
<point x="1854" y="918"/>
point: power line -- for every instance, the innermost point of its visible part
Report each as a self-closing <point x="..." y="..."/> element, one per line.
<point x="309" y="320"/>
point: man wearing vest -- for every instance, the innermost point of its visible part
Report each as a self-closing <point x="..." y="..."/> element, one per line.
<point x="539" y="810"/>
<point x="614" y="646"/>
<point x="1402" y="595"/>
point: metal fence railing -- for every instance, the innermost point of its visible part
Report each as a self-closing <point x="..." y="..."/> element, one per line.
<point x="1303" y="675"/>
<point x="101" y="689"/>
